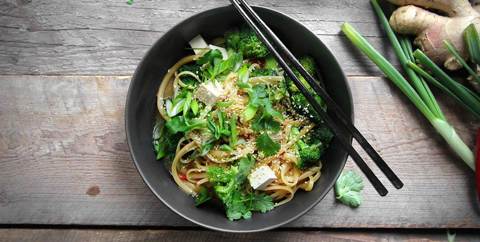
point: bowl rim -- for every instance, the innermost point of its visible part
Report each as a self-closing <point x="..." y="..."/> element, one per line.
<point x="150" y="186"/>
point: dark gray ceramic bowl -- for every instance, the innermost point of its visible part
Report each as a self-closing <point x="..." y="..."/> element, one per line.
<point x="141" y="110"/>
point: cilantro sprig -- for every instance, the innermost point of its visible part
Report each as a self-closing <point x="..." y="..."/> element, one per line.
<point x="229" y="188"/>
<point x="348" y="188"/>
<point x="214" y="65"/>
<point x="266" y="145"/>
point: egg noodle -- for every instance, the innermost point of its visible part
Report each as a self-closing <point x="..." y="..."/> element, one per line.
<point x="190" y="172"/>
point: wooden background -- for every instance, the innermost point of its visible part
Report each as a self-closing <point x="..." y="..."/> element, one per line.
<point x="65" y="67"/>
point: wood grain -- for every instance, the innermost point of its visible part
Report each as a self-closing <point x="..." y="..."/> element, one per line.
<point x="117" y="235"/>
<point x="64" y="160"/>
<point x="109" y="37"/>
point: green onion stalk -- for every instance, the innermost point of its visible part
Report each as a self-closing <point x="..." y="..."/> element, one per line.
<point x="419" y="94"/>
<point x="472" y="41"/>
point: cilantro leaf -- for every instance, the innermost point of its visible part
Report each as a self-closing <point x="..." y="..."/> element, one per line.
<point x="266" y="145"/>
<point x="256" y="94"/>
<point x="228" y="186"/>
<point x="236" y="207"/>
<point x="348" y="188"/>
<point x="266" y="121"/>
<point x="259" y="104"/>
<point x="261" y="202"/>
<point x="245" y="164"/>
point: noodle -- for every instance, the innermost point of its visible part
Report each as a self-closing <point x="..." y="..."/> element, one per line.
<point x="189" y="188"/>
<point x="191" y="162"/>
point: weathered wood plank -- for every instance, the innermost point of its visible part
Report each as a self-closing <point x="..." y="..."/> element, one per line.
<point x="117" y="235"/>
<point x="64" y="160"/>
<point x="110" y="37"/>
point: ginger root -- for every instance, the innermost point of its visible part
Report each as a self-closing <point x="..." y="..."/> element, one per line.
<point x="432" y="29"/>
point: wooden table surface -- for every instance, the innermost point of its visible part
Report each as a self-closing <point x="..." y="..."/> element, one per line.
<point x="65" y="67"/>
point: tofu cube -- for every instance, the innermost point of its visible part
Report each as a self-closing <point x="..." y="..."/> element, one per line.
<point x="209" y="93"/>
<point x="261" y="177"/>
<point x="198" y="44"/>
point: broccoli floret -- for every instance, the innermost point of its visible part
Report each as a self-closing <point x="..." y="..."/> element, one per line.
<point x="232" y="39"/>
<point x="299" y="102"/>
<point x="309" y="64"/>
<point x="263" y="72"/>
<point x="302" y="106"/>
<point x="311" y="148"/>
<point x="308" y="154"/>
<point x="321" y="133"/>
<point x="246" y="42"/>
<point x="269" y="68"/>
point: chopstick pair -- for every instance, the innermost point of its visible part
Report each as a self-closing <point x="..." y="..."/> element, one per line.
<point x="281" y="52"/>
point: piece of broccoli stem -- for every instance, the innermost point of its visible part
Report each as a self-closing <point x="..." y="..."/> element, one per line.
<point x="423" y="100"/>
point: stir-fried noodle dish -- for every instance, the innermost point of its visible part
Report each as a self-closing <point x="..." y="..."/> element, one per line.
<point x="231" y="127"/>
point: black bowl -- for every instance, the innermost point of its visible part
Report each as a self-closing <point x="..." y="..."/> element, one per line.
<point x="141" y="110"/>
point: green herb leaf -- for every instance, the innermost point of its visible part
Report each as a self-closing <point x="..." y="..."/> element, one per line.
<point x="261" y="202"/>
<point x="194" y="107"/>
<point x="129" y="2"/>
<point x="187" y="103"/>
<point x="209" y="57"/>
<point x="265" y="122"/>
<point x="243" y="74"/>
<point x="236" y="207"/>
<point x="219" y="128"/>
<point x="348" y="187"/>
<point x="258" y="100"/>
<point x="179" y="124"/>
<point x="266" y="145"/>
<point x="223" y="104"/>
<point x="249" y="112"/>
<point x="228" y="186"/>
<point x="206" y="147"/>
<point x="202" y="196"/>
<point x="218" y="66"/>
<point x="164" y="142"/>
<point x="244" y="85"/>
<point x="226" y="148"/>
<point x="245" y="165"/>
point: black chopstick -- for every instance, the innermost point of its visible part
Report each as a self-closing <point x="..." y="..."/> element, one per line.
<point x="397" y="183"/>
<point x="322" y="93"/>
